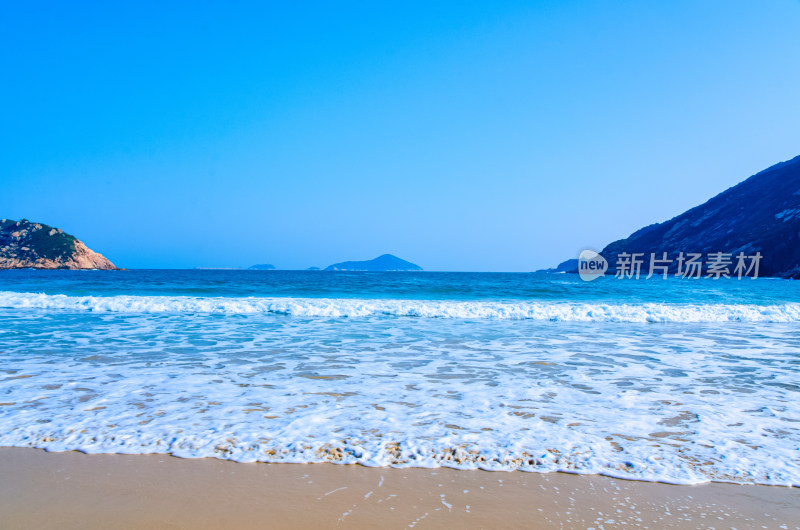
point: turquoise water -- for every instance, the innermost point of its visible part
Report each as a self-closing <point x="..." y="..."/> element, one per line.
<point x="674" y="380"/>
<point x="399" y="285"/>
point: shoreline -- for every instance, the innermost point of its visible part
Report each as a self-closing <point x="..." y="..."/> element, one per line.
<point x="43" y="489"/>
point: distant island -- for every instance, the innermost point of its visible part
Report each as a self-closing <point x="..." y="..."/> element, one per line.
<point x="760" y="214"/>
<point x="262" y="267"/>
<point x="571" y="265"/>
<point x="387" y="262"/>
<point x="25" y="244"/>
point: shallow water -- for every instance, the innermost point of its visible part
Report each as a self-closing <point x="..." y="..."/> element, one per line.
<point x="671" y="380"/>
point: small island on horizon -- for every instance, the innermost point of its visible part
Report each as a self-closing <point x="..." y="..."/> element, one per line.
<point x="384" y="263"/>
<point x="262" y="267"/>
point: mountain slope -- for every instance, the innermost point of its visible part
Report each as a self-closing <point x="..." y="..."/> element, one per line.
<point x="760" y="214"/>
<point x="24" y="244"/>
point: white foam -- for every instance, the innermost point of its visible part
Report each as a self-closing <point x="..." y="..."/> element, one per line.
<point x="357" y="308"/>
<point x="684" y="403"/>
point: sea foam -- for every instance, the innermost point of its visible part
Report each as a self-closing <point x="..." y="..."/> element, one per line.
<point x="449" y="309"/>
<point x="684" y="403"/>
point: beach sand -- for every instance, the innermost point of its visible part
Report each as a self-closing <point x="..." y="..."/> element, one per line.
<point x="75" y="490"/>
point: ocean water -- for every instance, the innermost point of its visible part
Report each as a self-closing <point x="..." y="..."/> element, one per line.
<point x="681" y="381"/>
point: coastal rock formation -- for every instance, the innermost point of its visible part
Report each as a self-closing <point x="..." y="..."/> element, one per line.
<point x="24" y="244"/>
<point x="387" y="262"/>
<point x="758" y="215"/>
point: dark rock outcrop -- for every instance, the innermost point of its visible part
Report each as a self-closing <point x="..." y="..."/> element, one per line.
<point x="387" y="262"/>
<point x="24" y="244"/>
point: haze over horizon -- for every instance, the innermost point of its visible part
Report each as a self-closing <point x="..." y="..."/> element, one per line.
<point x="462" y="136"/>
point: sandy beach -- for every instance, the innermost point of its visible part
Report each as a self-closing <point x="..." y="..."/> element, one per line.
<point x="42" y="489"/>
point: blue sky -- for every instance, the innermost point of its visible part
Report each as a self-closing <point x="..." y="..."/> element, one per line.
<point x="502" y="136"/>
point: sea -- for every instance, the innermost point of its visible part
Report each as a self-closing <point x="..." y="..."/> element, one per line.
<point x="673" y="380"/>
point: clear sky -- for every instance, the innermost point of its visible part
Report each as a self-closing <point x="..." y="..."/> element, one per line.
<point x="492" y="135"/>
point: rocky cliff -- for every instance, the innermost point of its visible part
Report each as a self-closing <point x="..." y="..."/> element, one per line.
<point x="24" y="244"/>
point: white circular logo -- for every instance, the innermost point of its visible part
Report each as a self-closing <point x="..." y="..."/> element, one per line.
<point x="591" y="265"/>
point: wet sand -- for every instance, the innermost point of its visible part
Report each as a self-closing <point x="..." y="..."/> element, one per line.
<point x="74" y="490"/>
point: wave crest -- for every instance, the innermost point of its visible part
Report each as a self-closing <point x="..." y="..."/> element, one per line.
<point x="359" y="308"/>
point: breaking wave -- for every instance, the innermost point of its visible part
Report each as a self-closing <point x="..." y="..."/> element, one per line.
<point x="360" y="308"/>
